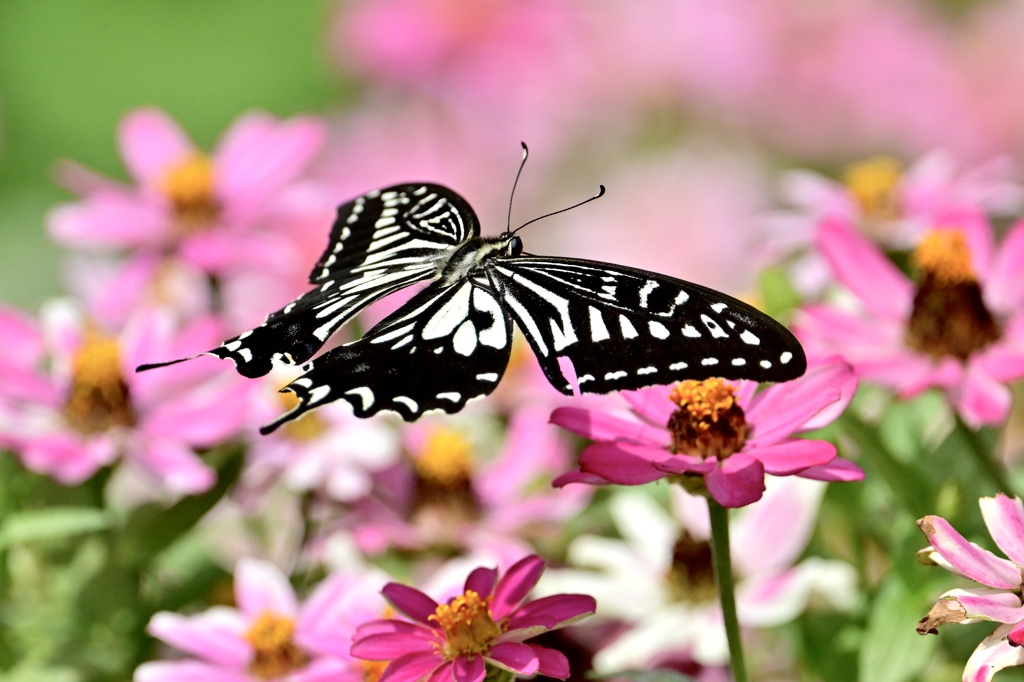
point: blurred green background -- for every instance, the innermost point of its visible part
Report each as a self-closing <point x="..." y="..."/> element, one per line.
<point x="69" y="69"/>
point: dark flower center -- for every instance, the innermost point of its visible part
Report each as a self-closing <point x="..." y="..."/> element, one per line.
<point x="949" y="317"/>
<point x="691" y="577"/>
<point x="98" y="397"/>
<point x="709" y="421"/>
<point x="443" y="499"/>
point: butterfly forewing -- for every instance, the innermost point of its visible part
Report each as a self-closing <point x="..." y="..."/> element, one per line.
<point x="381" y="242"/>
<point x="446" y="346"/>
<point x="625" y="329"/>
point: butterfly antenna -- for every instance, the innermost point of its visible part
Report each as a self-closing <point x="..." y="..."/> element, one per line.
<point x="526" y="153"/>
<point x="600" y="193"/>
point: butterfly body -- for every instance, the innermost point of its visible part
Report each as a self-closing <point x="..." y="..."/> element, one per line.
<point x="621" y="328"/>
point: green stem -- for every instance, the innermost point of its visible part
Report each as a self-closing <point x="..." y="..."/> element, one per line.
<point x="726" y="588"/>
<point x="985" y="459"/>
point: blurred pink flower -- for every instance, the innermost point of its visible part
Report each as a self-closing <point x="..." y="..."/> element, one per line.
<point x="999" y="597"/>
<point x="959" y="327"/>
<point x="269" y="637"/>
<point x="75" y="402"/>
<point x="453" y="495"/>
<point x="718" y="434"/>
<point x="187" y="206"/>
<point x="484" y="627"/>
<point x="658" y="579"/>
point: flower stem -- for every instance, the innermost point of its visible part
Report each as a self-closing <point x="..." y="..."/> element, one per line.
<point x="726" y="588"/>
<point x="986" y="459"/>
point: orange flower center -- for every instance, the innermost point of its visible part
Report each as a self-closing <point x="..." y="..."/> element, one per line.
<point x="444" y="499"/>
<point x="98" y="397"/>
<point x="446" y="459"/>
<point x="189" y="186"/>
<point x="372" y="670"/>
<point x="709" y="421"/>
<point x="874" y="185"/>
<point x="949" y="317"/>
<point x="275" y="653"/>
<point x="468" y="626"/>
<point x="306" y="428"/>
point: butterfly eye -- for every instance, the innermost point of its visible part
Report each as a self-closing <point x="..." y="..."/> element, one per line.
<point x="515" y="246"/>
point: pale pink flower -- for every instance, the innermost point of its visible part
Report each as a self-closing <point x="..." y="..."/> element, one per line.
<point x="483" y="488"/>
<point x="485" y="627"/>
<point x="720" y="432"/>
<point x="197" y="208"/>
<point x="998" y="599"/>
<point x="658" y="579"/>
<point x="959" y="327"/>
<point x="270" y="636"/>
<point x="76" y="403"/>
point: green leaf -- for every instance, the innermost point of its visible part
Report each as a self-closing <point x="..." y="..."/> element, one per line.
<point x="52" y="524"/>
<point x="892" y="650"/>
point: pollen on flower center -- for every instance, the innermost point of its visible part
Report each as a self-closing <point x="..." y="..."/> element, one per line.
<point x="443" y="498"/>
<point x="275" y="652"/>
<point x="189" y="186"/>
<point x="446" y="459"/>
<point x="98" y="397"/>
<point x="709" y="421"/>
<point x="873" y="184"/>
<point x="467" y="623"/>
<point x="949" y="317"/>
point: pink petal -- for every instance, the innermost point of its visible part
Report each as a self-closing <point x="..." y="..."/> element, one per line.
<point x="623" y="463"/>
<point x="391" y="626"/>
<point x="216" y="635"/>
<point x="410" y="601"/>
<point x="992" y="655"/>
<point x="66" y="458"/>
<point x="598" y="425"/>
<point x="579" y="477"/>
<point x="412" y="667"/>
<point x="515" y="585"/>
<point x="972" y="561"/>
<point x="865" y="271"/>
<point x="390" y="646"/>
<point x="208" y="414"/>
<point x="785" y="412"/>
<point x="1003" y="607"/>
<point x="792" y="456"/>
<point x="838" y="470"/>
<point x="771" y="534"/>
<point x="261" y="587"/>
<point x="737" y="482"/>
<point x="552" y="663"/>
<point x="1004" y="284"/>
<point x="652" y="403"/>
<point x="1004" y="518"/>
<point x="174" y="464"/>
<point x="1003" y="361"/>
<point x="468" y="669"/>
<point x="187" y="671"/>
<point x="980" y="399"/>
<point x="151" y="142"/>
<point x="514" y="656"/>
<point x="482" y="581"/>
<point x="554" y="611"/>
<point x="110" y="220"/>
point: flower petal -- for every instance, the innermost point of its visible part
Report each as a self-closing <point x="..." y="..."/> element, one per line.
<point x="554" y="611"/>
<point x="150" y="142"/>
<point x="602" y="426"/>
<point x="513" y="587"/>
<point x="839" y="470"/>
<point x="967" y="606"/>
<point x="992" y="655"/>
<point x="652" y="403"/>
<point x="468" y="669"/>
<point x="968" y="558"/>
<point x="812" y="401"/>
<point x="552" y="663"/>
<point x="390" y="646"/>
<point x="410" y="601"/>
<point x="1004" y="283"/>
<point x="981" y="399"/>
<point x="515" y="656"/>
<point x="792" y="456"/>
<point x="412" y="667"/>
<point x="623" y="463"/>
<point x="737" y="482"/>
<point x="174" y="464"/>
<point x="482" y="581"/>
<point x="187" y="671"/>
<point x="216" y="635"/>
<point x="1004" y="518"/>
<point x="261" y="587"/>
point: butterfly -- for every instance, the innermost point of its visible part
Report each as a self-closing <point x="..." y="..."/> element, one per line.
<point x="621" y="328"/>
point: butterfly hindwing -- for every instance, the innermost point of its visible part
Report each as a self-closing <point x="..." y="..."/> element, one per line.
<point x="624" y="328"/>
<point x="447" y="345"/>
<point x="380" y="242"/>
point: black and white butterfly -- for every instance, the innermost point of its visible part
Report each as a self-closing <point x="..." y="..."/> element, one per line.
<point x="622" y="328"/>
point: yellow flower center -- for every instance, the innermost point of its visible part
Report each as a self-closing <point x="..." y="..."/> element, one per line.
<point x="949" y="317"/>
<point x="468" y="626"/>
<point x="275" y="653"/>
<point x="446" y="460"/>
<point x="372" y="670"/>
<point x="98" y="397"/>
<point x="874" y="185"/>
<point x="306" y="428"/>
<point x="943" y="254"/>
<point x="189" y="186"/>
<point x="709" y="421"/>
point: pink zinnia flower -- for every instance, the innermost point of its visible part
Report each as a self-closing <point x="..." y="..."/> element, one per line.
<point x="718" y="433"/>
<point x="958" y="327"/>
<point x="74" y="402"/>
<point x="999" y="598"/>
<point x="484" y="626"/>
<point x="269" y="637"/>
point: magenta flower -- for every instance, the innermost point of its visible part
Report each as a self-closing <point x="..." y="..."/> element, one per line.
<point x="959" y="327"/>
<point x="269" y="637"/>
<point x="73" y="403"/>
<point x="716" y="433"/>
<point x="999" y="598"/>
<point x="486" y="625"/>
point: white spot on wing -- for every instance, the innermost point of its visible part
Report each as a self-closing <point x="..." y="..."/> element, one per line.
<point x="645" y="292"/>
<point x="364" y="393"/>
<point x="628" y="330"/>
<point x="598" y="330"/>
<point x="709" y="362"/>
<point x="646" y="370"/>
<point x="487" y="376"/>
<point x="450" y="315"/>
<point x="658" y="330"/>
<point x="691" y="332"/>
<point x="785" y="357"/>
<point x="719" y="307"/>
<point x="408" y="402"/>
<point x="715" y="329"/>
<point x="450" y="395"/>
<point x="614" y="375"/>
<point x="245" y="354"/>
<point x="749" y="337"/>
<point x="464" y="341"/>
<point x="585" y="378"/>
<point x="676" y="366"/>
<point x="317" y="394"/>
<point x="738" y="362"/>
<point x="766" y="364"/>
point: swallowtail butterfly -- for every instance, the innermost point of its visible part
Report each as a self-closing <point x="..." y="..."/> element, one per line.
<point x="622" y="328"/>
